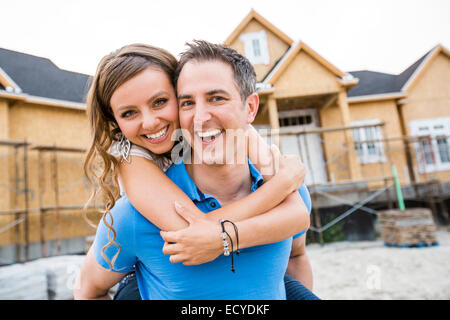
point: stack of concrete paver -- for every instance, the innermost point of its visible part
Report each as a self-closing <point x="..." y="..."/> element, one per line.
<point x="43" y="279"/>
<point x="408" y="228"/>
<point x="20" y="282"/>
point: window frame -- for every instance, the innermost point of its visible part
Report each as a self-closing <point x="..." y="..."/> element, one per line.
<point x="366" y="157"/>
<point x="249" y="39"/>
<point x="431" y="130"/>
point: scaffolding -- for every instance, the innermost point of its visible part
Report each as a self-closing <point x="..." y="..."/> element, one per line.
<point x="20" y="216"/>
<point x="367" y="187"/>
<point x="20" y="185"/>
<point x="56" y="210"/>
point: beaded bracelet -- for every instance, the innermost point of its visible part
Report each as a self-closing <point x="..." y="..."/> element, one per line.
<point x="224" y="234"/>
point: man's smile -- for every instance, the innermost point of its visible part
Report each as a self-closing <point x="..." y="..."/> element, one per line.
<point x="209" y="136"/>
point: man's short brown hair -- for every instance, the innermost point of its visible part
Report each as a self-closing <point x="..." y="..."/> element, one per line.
<point x="200" y="50"/>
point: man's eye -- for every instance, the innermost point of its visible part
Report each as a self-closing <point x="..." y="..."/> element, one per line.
<point x="186" y="103"/>
<point x="127" y="114"/>
<point x="160" y="102"/>
<point x="217" y="98"/>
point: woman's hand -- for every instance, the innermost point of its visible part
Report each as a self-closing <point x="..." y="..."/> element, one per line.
<point x="199" y="243"/>
<point x="289" y="168"/>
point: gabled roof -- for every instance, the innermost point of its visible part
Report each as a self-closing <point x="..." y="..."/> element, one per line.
<point x="371" y="82"/>
<point x="403" y="77"/>
<point x="39" y="77"/>
<point x="254" y="15"/>
<point x="408" y="77"/>
<point x="284" y="62"/>
<point x="378" y="83"/>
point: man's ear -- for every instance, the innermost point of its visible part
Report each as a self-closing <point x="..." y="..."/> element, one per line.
<point x="252" y="104"/>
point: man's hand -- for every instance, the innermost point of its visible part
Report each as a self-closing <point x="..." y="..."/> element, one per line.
<point x="199" y="243"/>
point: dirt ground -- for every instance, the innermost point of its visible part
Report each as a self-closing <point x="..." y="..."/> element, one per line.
<point x="370" y="270"/>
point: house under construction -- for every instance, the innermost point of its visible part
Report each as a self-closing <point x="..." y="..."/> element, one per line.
<point x="353" y="129"/>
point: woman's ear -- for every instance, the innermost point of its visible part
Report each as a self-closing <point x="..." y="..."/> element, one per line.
<point x="252" y="103"/>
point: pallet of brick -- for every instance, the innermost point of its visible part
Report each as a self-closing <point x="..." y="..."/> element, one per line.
<point x="408" y="228"/>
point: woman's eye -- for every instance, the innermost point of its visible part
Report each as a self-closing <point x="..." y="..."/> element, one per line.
<point x="127" y="114"/>
<point x="160" y="102"/>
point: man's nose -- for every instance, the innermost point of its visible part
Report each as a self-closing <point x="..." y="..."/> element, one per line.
<point x="201" y="114"/>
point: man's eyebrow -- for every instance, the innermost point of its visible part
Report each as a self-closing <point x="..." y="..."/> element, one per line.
<point x="184" y="96"/>
<point x="217" y="91"/>
<point x="209" y="93"/>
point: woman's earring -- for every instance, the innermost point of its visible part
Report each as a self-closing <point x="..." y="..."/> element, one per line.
<point x="124" y="147"/>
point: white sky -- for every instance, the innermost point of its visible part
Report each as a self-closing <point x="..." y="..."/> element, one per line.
<point x="378" y="35"/>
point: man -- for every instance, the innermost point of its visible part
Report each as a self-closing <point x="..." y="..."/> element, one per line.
<point x="211" y="103"/>
<point x="212" y="99"/>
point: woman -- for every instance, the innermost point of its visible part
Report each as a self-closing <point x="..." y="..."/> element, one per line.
<point x="132" y="99"/>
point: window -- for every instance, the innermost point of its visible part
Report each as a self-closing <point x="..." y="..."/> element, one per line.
<point x="300" y="120"/>
<point x="443" y="148"/>
<point x="255" y="46"/>
<point x="368" y="144"/>
<point x="297" y="117"/>
<point x="432" y="143"/>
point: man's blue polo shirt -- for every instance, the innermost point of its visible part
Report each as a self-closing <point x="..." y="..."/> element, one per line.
<point x="259" y="270"/>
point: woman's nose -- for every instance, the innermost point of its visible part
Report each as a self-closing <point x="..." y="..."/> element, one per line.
<point x="150" y="122"/>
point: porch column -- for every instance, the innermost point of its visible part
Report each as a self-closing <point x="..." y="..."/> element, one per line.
<point x="352" y="157"/>
<point x="273" y="118"/>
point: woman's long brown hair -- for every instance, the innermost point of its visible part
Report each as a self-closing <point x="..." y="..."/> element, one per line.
<point x="100" y="167"/>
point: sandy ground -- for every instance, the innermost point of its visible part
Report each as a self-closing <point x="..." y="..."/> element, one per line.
<point x="369" y="270"/>
<point x="342" y="270"/>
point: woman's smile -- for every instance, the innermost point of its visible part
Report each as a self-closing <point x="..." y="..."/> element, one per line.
<point x="159" y="136"/>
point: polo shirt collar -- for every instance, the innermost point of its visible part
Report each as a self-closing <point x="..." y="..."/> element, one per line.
<point x="185" y="182"/>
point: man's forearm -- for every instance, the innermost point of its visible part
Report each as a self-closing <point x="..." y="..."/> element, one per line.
<point x="300" y="269"/>
<point x="93" y="281"/>
<point x="100" y="297"/>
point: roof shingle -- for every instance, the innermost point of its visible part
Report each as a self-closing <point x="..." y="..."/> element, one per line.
<point x="371" y="82"/>
<point x="40" y="77"/>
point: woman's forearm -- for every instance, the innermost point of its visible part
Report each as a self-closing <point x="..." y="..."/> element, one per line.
<point x="286" y="220"/>
<point x="265" y="198"/>
<point x="153" y="194"/>
<point x="201" y="242"/>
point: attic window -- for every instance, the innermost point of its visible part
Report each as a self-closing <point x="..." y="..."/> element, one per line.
<point x="255" y="46"/>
